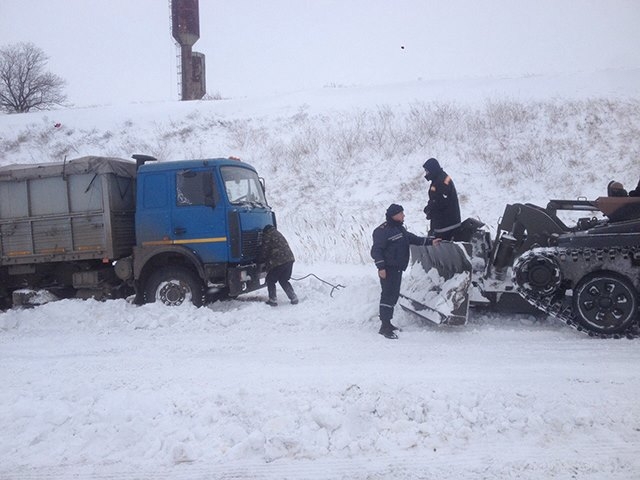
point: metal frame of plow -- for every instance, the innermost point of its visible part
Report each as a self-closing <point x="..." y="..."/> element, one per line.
<point x="437" y="285"/>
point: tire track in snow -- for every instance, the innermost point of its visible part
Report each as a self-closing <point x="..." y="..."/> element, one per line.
<point x="583" y="459"/>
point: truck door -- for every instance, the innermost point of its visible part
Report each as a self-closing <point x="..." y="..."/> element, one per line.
<point x="198" y="216"/>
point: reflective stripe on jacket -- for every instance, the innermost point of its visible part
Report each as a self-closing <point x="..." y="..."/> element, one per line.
<point x="391" y="245"/>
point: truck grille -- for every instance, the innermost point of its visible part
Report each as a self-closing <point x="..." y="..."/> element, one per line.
<point x="251" y="244"/>
<point x="245" y="244"/>
<point x="251" y="241"/>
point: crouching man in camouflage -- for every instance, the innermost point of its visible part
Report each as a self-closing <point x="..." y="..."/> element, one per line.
<point x="278" y="257"/>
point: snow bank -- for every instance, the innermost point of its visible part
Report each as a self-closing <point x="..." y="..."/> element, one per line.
<point x="310" y="390"/>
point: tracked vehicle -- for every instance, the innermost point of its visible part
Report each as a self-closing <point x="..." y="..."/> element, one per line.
<point x="587" y="275"/>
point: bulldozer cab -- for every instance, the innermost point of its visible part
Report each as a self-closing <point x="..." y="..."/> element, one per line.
<point x="619" y="209"/>
<point x="619" y="205"/>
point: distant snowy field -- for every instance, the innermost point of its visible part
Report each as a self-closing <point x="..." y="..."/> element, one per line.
<point x="240" y="390"/>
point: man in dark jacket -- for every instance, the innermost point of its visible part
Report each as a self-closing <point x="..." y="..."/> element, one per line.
<point x="443" y="208"/>
<point x="390" y="251"/>
<point x="278" y="257"/>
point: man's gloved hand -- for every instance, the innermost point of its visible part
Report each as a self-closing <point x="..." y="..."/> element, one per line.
<point x="427" y="212"/>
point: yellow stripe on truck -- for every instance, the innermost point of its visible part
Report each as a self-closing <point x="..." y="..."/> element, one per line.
<point x="185" y="241"/>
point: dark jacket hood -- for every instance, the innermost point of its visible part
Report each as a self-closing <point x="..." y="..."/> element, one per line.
<point x="432" y="167"/>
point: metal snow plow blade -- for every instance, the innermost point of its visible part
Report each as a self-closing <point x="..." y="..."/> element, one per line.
<point x="437" y="285"/>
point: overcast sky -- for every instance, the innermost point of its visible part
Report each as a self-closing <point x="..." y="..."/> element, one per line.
<point x="113" y="51"/>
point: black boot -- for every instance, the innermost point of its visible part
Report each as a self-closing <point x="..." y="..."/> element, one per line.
<point x="387" y="333"/>
<point x="386" y="330"/>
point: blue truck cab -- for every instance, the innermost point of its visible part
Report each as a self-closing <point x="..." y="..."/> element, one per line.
<point x="198" y="227"/>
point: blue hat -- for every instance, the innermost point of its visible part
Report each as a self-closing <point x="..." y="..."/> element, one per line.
<point x="394" y="209"/>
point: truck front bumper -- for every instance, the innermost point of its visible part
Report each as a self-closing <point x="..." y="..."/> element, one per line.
<point x="245" y="278"/>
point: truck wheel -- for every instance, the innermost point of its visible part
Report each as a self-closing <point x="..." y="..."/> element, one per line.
<point x="605" y="302"/>
<point x="173" y="286"/>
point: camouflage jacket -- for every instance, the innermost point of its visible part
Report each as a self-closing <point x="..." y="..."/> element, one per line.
<point x="275" y="250"/>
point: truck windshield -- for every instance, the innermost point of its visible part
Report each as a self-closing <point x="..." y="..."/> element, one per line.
<point x="243" y="186"/>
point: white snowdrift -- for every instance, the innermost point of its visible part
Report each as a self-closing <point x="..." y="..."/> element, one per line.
<point x="239" y="389"/>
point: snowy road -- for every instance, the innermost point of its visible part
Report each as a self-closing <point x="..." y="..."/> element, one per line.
<point x="240" y="390"/>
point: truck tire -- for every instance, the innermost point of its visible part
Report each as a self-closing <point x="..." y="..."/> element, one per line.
<point x="174" y="286"/>
<point x="605" y="302"/>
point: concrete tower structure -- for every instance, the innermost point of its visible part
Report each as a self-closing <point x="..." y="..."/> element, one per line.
<point x="185" y="18"/>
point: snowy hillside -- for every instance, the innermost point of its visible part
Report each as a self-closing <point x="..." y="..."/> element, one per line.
<point x="335" y="158"/>
<point x="240" y="390"/>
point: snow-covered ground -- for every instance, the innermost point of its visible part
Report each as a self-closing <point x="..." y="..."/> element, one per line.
<point x="237" y="389"/>
<point x="241" y="390"/>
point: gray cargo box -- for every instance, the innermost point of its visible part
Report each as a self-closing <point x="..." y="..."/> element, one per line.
<point x="77" y="210"/>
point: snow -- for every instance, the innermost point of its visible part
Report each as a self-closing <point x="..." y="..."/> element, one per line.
<point x="237" y="389"/>
<point x="437" y="283"/>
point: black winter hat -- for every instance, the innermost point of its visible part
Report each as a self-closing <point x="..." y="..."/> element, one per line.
<point x="394" y="209"/>
<point x="432" y="165"/>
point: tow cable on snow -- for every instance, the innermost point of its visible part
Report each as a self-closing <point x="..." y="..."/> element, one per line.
<point x="333" y="287"/>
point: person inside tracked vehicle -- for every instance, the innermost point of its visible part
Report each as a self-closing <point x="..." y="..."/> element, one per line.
<point x="615" y="189"/>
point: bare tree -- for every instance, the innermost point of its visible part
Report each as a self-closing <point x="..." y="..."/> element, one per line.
<point x="24" y="83"/>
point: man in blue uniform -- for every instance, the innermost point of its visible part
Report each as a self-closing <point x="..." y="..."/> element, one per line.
<point x="390" y="251"/>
